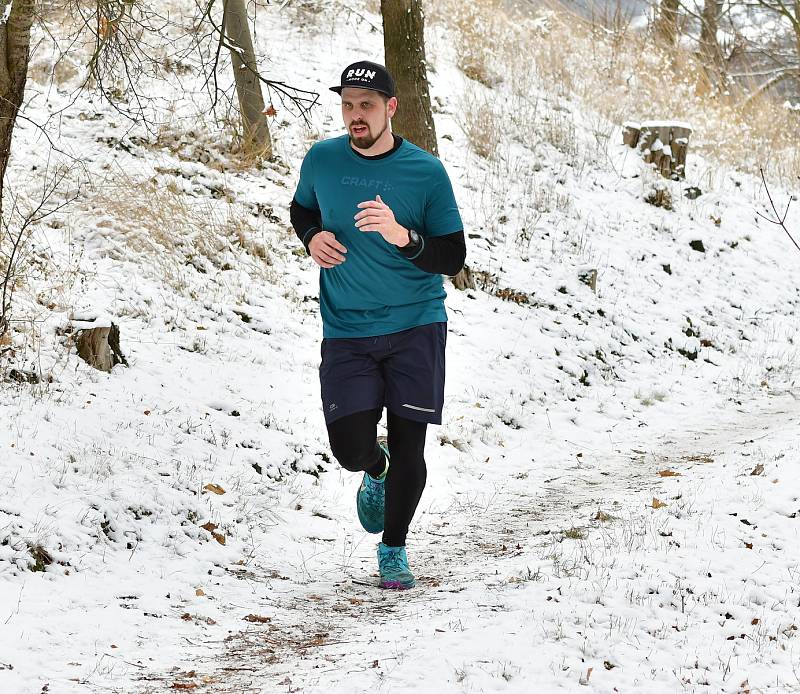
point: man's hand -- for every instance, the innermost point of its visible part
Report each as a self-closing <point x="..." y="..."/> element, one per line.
<point x="326" y="250"/>
<point x="376" y="215"/>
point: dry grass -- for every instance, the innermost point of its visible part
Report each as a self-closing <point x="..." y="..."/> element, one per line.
<point x="163" y="229"/>
<point x="616" y="73"/>
<point x="479" y="122"/>
<point x="480" y="30"/>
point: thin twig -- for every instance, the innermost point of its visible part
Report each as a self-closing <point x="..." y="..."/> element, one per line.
<point x="780" y="221"/>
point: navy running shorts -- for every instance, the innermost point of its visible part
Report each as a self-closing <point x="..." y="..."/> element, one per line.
<point x="402" y="371"/>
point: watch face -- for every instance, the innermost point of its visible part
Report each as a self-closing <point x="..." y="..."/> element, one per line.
<point x="413" y="236"/>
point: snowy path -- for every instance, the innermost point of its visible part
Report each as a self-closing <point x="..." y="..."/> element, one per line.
<point x="507" y="602"/>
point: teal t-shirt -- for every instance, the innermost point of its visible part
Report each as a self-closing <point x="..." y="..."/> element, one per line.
<point x="377" y="290"/>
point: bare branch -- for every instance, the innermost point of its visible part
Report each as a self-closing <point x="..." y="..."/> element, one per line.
<point x="779" y="220"/>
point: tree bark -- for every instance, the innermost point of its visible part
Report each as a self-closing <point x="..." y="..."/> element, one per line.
<point x="404" y="48"/>
<point x="245" y="72"/>
<point x="666" y="24"/>
<point x="94" y="349"/>
<point x="709" y="45"/>
<point x="15" y="39"/>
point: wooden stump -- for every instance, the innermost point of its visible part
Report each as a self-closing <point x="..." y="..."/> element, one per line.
<point x="117" y="357"/>
<point x="96" y="337"/>
<point x="589" y="278"/>
<point x="662" y="143"/>
<point x="94" y="349"/>
<point x="630" y="134"/>
<point x="464" y="279"/>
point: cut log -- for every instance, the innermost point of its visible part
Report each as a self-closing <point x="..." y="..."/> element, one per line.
<point x="665" y="144"/>
<point x="116" y="351"/>
<point x="589" y="278"/>
<point x="630" y="134"/>
<point x="94" y="349"/>
<point x="464" y="279"/>
<point x="96" y="337"/>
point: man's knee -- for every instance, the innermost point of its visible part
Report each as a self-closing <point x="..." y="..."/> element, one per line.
<point x="354" y="455"/>
<point x="352" y="440"/>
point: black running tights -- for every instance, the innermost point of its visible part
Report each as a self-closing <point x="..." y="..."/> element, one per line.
<point x="352" y="440"/>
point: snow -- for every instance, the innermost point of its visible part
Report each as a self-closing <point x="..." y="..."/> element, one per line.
<point x="193" y="528"/>
<point x="655" y="124"/>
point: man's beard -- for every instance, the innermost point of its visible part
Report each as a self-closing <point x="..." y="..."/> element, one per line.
<point x="366" y="141"/>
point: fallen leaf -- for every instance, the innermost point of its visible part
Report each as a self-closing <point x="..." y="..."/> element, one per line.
<point x="270" y="111"/>
<point x="186" y="617"/>
<point x="608" y="666"/>
<point x="209" y="526"/>
<point x="755" y="621"/>
<point x="601" y="516"/>
<point x="199" y="592"/>
<point x="657" y="503"/>
<point x="219" y="538"/>
<point x="374" y="663"/>
<point x="699" y="459"/>
<point x="184" y="685"/>
<point x="214" y="488"/>
<point x="356" y="601"/>
<point x="257" y="619"/>
<point x="758" y="469"/>
<point x="210" y="621"/>
<point x="147" y="412"/>
<point x="668" y="473"/>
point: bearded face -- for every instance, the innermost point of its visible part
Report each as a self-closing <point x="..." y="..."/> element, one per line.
<point x="366" y="115"/>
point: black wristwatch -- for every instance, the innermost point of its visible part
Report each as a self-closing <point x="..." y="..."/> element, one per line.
<point x="414" y="240"/>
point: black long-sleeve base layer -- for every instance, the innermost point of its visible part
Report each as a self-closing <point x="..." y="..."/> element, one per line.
<point x="439" y="255"/>
<point x="352" y="440"/>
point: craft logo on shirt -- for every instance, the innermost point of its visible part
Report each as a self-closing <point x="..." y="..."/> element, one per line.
<point x="383" y="186"/>
<point x="362" y="74"/>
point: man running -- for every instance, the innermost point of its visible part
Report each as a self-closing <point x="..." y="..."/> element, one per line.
<point x="378" y="215"/>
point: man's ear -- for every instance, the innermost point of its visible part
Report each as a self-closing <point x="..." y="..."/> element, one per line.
<point x="392" y="106"/>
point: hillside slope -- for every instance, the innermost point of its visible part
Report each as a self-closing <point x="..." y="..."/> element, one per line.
<point x="184" y="512"/>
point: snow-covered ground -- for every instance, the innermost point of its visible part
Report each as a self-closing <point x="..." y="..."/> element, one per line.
<point x="612" y="501"/>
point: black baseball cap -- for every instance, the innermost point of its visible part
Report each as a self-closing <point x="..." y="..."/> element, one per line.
<point x="366" y="75"/>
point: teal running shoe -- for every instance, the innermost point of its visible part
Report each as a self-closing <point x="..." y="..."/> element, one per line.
<point x="393" y="566"/>
<point x="371" y="497"/>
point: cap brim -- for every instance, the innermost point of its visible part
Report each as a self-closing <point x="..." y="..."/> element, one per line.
<point x="338" y="89"/>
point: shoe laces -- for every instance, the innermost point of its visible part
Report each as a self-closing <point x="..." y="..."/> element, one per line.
<point x="393" y="561"/>
<point x="372" y="489"/>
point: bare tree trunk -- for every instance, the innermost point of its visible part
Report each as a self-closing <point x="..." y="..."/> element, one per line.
<point x="404" y="47"/>
<point x="709" y="46"/>
<point x="15" y="37"/>
<point x="245" y="71"/>
<point x="666" y="24"/>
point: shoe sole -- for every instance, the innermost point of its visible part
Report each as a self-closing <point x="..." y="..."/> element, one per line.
<point x="395" y="585"/>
